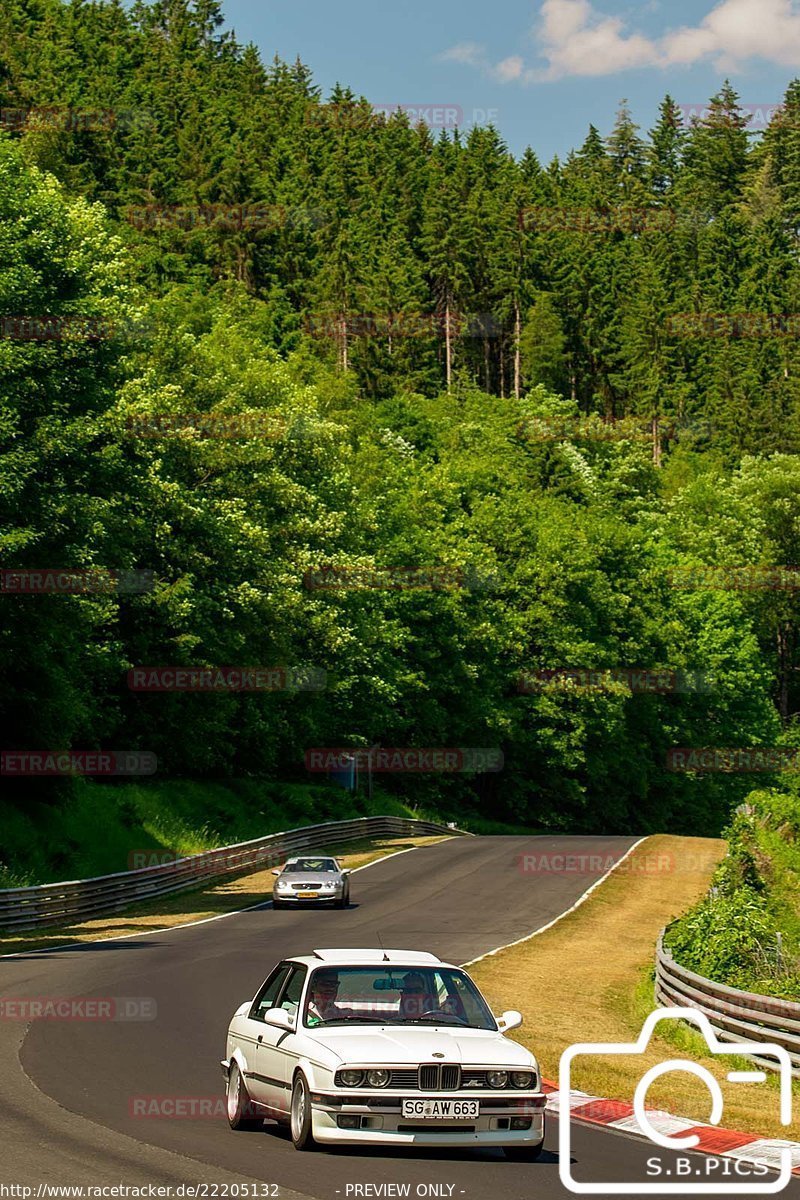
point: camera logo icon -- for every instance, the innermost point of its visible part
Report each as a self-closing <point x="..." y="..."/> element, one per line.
<point x="689" y="1184"/>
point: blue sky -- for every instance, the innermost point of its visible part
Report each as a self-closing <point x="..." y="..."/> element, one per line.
<point x="542" y="70"/>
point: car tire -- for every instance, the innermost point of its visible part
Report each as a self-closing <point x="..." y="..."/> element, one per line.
<point x="300" y="1118"/>
<point x="277" y="904"/>
<point x="239" y="1104"/>
<point x="524" y="1153"/>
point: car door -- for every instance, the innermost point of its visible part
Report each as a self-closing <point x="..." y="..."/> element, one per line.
<point x="275" y="1053"/>
<point x="253" y="1031"/>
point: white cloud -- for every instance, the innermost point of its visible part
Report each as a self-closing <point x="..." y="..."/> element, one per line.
<point x="576" y="39"/>
<point x="737" y="30"/>
<point x="469" y="53"/>
<point x="509" y="69"/>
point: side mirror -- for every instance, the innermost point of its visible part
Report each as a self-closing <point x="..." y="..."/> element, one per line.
<point x="276" y="872"/>
<point x="345" y="873"/>
<point x="509" y="1020"/>
<point x="280" y="1018"/>
<point x="244" y="1009"/>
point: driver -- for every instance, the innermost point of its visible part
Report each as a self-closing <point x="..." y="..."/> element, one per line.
<point x="414" y="999"/>
<point x="323" y="990"/>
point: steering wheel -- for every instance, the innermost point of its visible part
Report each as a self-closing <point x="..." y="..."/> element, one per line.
<point x="441" y="1012"/>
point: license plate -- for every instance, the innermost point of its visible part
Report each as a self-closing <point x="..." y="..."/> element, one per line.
<point x="307" y="895"/>
<point x="441" y="1110"/>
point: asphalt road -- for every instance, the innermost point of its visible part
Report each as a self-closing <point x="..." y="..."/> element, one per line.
<point x="67" y="1088"/>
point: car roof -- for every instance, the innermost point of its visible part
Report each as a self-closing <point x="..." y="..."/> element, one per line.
<point x="358" y="957"/>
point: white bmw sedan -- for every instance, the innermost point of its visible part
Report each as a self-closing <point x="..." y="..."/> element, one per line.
<point x="389" y="1047"/>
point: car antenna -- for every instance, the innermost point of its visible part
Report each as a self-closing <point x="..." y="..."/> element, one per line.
<point x="383" y="948"/>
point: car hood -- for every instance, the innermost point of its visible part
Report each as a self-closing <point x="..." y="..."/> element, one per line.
<point x="411" y="1045"/>
<point x="308" y="877"/>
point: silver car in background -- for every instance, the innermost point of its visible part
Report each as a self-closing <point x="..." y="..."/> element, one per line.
<point x="311" y="879"/>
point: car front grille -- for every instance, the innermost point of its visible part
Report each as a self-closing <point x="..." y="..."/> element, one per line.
<point x="436" y="1077"/>
<point x="405" y="1079"/>
<point x="443" y="1077"/>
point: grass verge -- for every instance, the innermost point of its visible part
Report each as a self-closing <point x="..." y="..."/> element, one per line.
<point x="86" y="827"/>
<point x="211" y="900"/>
<point x="590" y="979"/>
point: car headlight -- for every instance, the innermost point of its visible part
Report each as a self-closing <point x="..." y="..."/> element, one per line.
<point x="497" y="1079"/>
<point x="282" y="885"/>
<point x="522" y="1079"/>
<point x="328" y="887"/>
<point x="351" y="1078"/>
<point x="378" y="1078"/>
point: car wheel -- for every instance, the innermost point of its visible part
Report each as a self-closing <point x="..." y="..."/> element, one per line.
<point x="239" y="1105"/>
<point x="277" y="904"/>
<point x="527" y="1153"/>
<point x="300" y="1121"/>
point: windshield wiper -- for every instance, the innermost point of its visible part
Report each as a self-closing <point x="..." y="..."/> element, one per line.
<point x="448" y="1019"/>
<point x="352" y="1021"/>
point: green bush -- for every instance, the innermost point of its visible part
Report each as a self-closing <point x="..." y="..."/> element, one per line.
<point x="97" y="826"/>
<point x="746" y="932"/>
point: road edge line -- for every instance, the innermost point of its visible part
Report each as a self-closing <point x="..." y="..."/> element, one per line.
<point x="566" y="913"/>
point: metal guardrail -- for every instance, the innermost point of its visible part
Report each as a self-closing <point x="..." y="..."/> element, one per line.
<point x="52" y="904"/>
<point x="735" y="1016"/>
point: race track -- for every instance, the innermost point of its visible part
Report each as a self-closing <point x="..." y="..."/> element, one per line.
<point x="67" y="1087"/>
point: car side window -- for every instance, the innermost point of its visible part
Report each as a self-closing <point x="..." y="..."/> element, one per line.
<point x="290" y="999"/>
<point x="270" y="991"/>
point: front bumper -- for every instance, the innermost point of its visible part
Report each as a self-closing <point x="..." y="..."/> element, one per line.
<point x="294" y="898"/>
<point x="381" y="1121"/>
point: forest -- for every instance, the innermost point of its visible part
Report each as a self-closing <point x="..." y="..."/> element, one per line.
<point x="437" y="446"/>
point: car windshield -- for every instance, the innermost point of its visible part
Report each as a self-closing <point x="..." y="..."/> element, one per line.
<point x="311" y="864"/>
<point x="395" y="996"/>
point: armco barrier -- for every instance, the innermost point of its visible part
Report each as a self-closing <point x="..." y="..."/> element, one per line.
<point x="735" y="1016"/>
<point x="52" y="904"/>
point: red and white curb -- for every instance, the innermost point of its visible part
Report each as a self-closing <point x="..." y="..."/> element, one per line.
<point x="723" y="1143"/>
